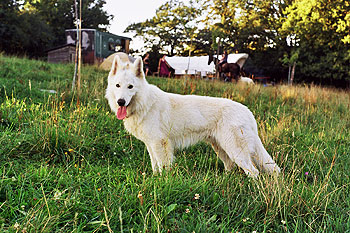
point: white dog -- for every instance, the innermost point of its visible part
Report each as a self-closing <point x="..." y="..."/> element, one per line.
<point x="166" y="121"/>
<point x="246" y="80"/>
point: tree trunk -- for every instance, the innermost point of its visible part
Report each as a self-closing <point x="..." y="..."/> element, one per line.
<point x="292" y="74"/>
<point x="289" y="68"/>
<point x="217" y="74"/>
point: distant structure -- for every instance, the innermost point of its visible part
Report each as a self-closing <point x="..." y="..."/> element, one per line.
<point x="95" y="45"/>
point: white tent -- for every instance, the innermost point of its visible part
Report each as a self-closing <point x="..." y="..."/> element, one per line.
<point x="238" y="58"/>
<point x="194" y="65"/>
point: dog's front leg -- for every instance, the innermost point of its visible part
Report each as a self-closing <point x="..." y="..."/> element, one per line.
<point x="154" y="161"/>
<point x="162" y="154"/>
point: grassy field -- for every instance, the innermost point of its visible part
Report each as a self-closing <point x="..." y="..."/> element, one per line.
<point x="73" y="168"/>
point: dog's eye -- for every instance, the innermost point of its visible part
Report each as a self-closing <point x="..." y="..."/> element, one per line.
<point x="117" y="85"/>
<point x="130" y="86"/>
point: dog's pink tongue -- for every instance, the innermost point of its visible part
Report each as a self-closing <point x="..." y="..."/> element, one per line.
<point x="121" y="113"/>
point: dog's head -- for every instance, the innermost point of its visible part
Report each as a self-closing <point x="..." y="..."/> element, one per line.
<point x="124" y="81"/>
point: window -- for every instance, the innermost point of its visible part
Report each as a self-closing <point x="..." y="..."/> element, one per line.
<point x="111" y="46"/>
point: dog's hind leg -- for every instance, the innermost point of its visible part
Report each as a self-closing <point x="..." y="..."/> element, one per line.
<point x="264" y="160"/>
<point x="238" y="150"/>
<point x="228" y="163"/>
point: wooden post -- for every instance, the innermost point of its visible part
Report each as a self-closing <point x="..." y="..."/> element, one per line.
<point x="189" y="60"/>
<point x="79" y="60"/>
<point x="76" y="46"/>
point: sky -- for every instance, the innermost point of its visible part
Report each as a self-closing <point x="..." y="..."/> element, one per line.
<point x="126" y="12"/>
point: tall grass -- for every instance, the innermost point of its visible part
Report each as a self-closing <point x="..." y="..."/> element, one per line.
<point x="74" y="168"/>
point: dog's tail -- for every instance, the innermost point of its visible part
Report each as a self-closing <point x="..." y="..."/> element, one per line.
<point x="263" y="160"/>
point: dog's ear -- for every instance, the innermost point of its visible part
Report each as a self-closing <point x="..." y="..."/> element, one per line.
<point x="138" y="66"/>
<point x="116" y="62"/>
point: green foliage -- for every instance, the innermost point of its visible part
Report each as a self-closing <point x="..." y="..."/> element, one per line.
<point x="252" y="27"/>
<point x="321" y="31"/>
<point x="60" y="15"/>
<point x="22" y="32"/>
<point x="32" y="27"/>
<point x="312" y="34"/>
<point x="8" y="15"/>
<point x="66" y="168"/>
<point x="174" y="26"/>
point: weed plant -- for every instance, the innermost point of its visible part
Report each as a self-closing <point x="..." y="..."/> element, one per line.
<point x="71" y="167"/>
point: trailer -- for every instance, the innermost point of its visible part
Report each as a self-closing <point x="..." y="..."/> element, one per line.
<point x="95" y="46"/>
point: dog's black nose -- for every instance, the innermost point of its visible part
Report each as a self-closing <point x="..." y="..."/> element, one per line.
<point x="121" y="102"/>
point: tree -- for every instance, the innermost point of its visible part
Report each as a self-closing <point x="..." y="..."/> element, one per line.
<point x="174" y="28"/>
<point x="320" y="29"/>
<point x="221" y="22"/>
<point x="251" y="26"/>
<point x="9" y="26"/>
<point x="31" y="27"/>
<point x="59" y="14"/>
<point x="22" y="31"/>
<point x="36" y="35"/>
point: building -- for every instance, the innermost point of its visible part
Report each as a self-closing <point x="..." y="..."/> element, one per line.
<point x="95" y="45"/>
<point x="62" y="54"/>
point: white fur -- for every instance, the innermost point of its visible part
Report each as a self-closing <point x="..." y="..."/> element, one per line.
<point x="246" y="80"/>
<point x="166" y="121"/>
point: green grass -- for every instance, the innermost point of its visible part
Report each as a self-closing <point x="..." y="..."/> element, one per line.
<point x="70" y="168"/>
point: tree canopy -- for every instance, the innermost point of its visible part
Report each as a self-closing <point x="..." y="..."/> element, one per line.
<point x="312" y="34"/>
<point x="320" y="30"/>
<point x="173" y="28"/>
<point x="31" y="27"/>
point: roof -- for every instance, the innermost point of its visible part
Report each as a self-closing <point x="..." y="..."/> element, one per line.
<point x="238" y="58"/>
<point x="61" y="46"/>
<point x="95" y="30"/>
<point x="190" y="64"/>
